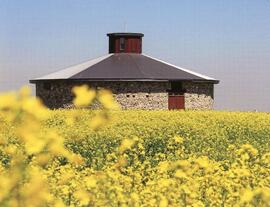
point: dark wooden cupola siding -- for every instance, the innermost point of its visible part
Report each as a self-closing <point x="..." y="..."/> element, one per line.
<point x="125" y="42"/>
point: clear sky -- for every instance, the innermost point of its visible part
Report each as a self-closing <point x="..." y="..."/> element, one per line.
<point x="226" y="39"/>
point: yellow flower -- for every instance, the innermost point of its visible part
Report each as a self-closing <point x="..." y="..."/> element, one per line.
<point x="97" y="122"/>
<point x="82" y="196"/>
<point x="180" y="174"/>
<point x="122" y="161"/>
<point x="135" y="197"/>
<point x="126" y="144"/>
<point x="163" y="202"/>
<point x="83" y="95"/>
<point x="203" y="162"/>
<point x="163" y="166"/>
<point x="164" y="182"/>
<point x="183" y="164"/>
<point x="90" y="182"/>
<point x="34" y="143"/>
<point x="178" y="139"/>
<point x="5" y="185"/>
<point x="35" y="107"/>
<point x="36" y="191"/>
<point x="247" y="196"/>
<point x="42" y="159"/>
<point x="25" y="92"/>
<point x="106" y="99"/>
<point x="76" y="159"/>
<point x="10" y="149"/>
<point x="59" y="203"/>
<point x="66" y="176"/>
<point x="8" y="100"/>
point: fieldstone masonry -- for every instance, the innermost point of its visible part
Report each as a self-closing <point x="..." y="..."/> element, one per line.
<point x="199" y="96"/>
<point x="130" y="95"/>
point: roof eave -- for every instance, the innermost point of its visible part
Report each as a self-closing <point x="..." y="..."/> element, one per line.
<point x="34" y="81"/>
<point x="125" y="34"/>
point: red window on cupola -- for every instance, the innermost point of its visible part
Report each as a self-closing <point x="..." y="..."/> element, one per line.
<point x="122" y="44"/>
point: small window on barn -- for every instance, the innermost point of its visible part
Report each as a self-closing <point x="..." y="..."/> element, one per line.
<point x="133" y="96"/>
<point x="128" y="96"/>
<point x="147" y="96"/>
<point x="122" y="44"/>
<point x="47" y="86"/>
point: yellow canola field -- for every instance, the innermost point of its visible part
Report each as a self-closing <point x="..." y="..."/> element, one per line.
<point x="107" y="157"/>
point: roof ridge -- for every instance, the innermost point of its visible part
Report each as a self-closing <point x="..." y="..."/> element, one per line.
<point x="183" y="69"/>
<point x="137" y="65"/>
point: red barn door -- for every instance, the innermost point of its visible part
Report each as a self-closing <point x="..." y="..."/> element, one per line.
<point x="176" y="102"/>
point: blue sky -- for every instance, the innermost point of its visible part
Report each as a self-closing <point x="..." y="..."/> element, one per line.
<point x="226" y="39"/>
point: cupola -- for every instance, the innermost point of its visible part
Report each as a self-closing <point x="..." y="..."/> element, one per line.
<point x="125" y="42"/>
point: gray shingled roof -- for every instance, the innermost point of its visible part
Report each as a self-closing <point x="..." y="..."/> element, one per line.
<point x="125" y="67"/>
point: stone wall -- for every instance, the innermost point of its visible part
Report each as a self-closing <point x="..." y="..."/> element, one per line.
<point x="199" y="95"/>
<point x="130" y="95"/>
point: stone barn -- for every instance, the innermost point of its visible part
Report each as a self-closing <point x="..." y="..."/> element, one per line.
<point x="138" y="81"/>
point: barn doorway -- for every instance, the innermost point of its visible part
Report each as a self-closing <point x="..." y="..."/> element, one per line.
<point x="176" y="102"/>
<point x="176" y="96"/>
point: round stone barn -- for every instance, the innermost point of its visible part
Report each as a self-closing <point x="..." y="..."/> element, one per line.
<point x="138" y="81"/>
